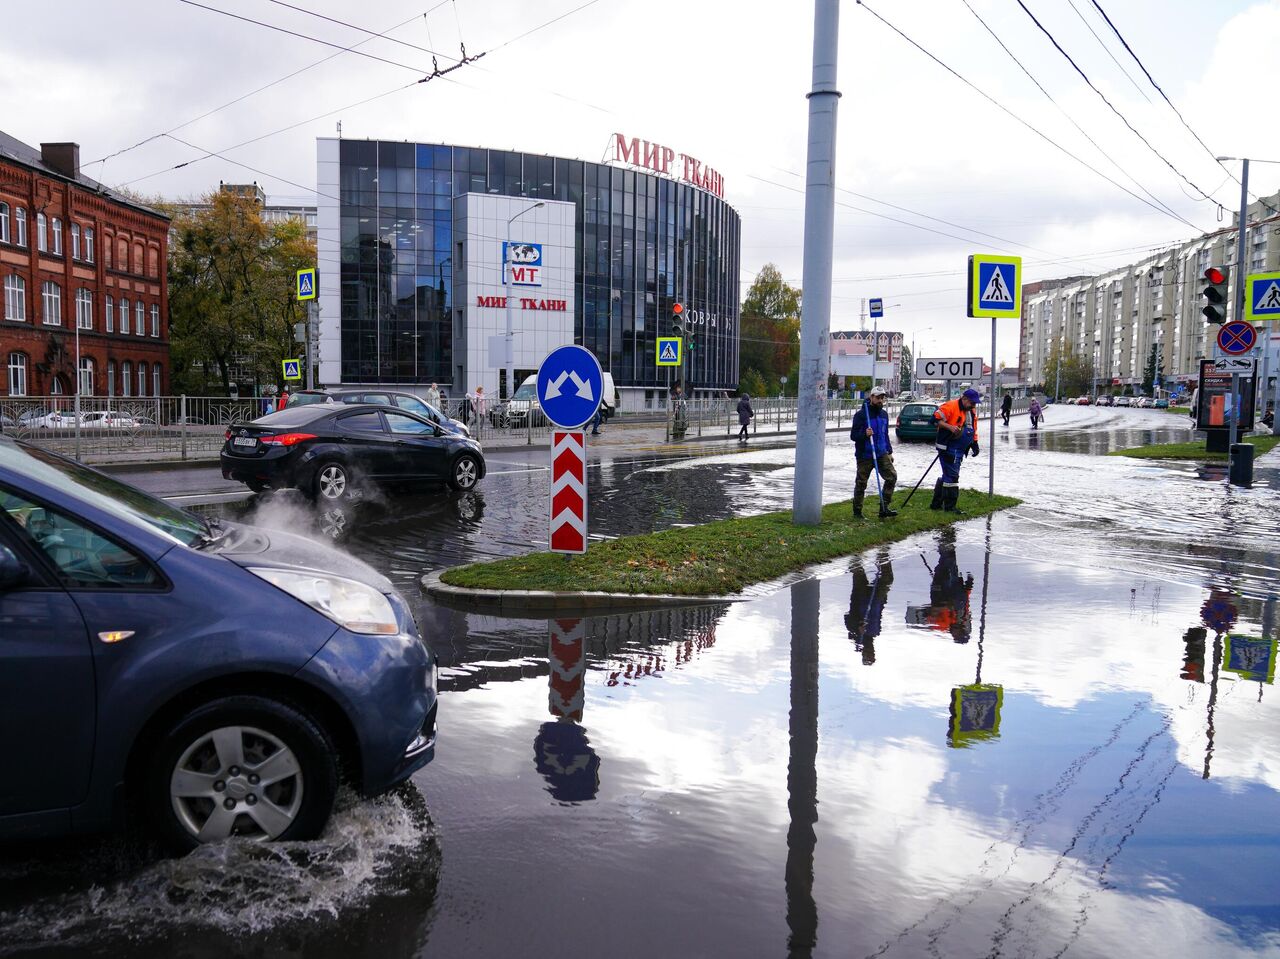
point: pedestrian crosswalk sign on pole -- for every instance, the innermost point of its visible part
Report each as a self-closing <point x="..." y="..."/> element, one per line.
<point x="995" y="286"/>
<point x="292" y="369"/>
<point x="670" y="350"/>
<point x="1262" y="296"/>
<point x="306" y="286"/>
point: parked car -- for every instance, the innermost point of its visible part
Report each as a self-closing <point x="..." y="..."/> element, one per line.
<point x="1082" y="401"/>
<point x="1160" y="404"/>
<point x="220" y="676"/>
<point x="400" y="400"/>
<point x="328" y="450"/>
<point x="524" y="402"/>
<point x="915" y="422"/>
<point x="1104" y="400"/>
<point x="31" y="419"/>
<point x="107" y="420"/>
<point x="1124" y="401"/>
<point x="58" y="420"/>
<point x="1142" y="402"/>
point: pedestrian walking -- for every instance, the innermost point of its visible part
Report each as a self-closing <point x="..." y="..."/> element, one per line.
<point x="284" y="399"/>
<point x="873" y="451"/>
<point x="479" y="405"/>
<point x="1006" y="407"/>
<point x="433" y="396"/>
<point x="745" y="415"/>
<point x="957" y="437"/>
<point x="468" y="406"/>
<point x="1037" y="413"/>
<point x="599" y="418"/>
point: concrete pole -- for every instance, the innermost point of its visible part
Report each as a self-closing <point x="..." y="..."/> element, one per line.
<point x="819" y="231"/>
<point x="1238" y="312"/>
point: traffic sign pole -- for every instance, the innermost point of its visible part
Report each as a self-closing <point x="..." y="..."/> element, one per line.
<point x="1241" y="283"/>
<point x="991" y="413"/>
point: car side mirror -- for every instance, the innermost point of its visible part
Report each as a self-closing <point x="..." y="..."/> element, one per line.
<point x="13" y="571"/>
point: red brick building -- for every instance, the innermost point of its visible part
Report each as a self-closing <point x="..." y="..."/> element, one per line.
<point x="76" y="256"/>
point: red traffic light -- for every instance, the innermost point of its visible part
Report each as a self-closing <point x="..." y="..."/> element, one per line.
<point x="1215" y="275"/>
<point x="677" y="309"/>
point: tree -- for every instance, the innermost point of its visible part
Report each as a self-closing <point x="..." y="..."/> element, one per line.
<point x="231" y="300"/>
<point x="1076" y="372"/>
<point x="1154" y="365"/>
<point x="751" y="383"/>
<point x="770" y="342"/>
<point x="906" y="372"/>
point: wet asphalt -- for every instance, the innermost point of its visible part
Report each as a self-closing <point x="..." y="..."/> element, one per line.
<point x="1050" y="732"/>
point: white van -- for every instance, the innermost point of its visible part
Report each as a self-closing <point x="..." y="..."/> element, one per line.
<point x="526" y="398"/>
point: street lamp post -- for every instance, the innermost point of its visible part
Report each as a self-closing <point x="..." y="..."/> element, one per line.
<point x="913" y="355"/>
<point x="875" y="344"/>
<point x="509" y="353"/>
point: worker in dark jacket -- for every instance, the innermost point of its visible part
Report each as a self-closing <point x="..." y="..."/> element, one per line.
<point x="873" y="451"/>
<point x="745" y="414"/>
<point x="957" y="436"/>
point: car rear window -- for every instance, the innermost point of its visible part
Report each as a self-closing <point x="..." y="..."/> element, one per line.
<point x="306" y="399"/>
<point x="918" y="409"/>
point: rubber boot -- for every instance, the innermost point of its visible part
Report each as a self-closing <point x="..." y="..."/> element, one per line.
<point x="885" y="511"/>
<point x="938" y="500"/>
<point x="857" y="508"/>
<point x="953" y="496"/>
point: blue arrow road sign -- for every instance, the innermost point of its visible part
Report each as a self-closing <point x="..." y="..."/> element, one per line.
<point x="569" y="386"/>
<point x="877" y="308"/>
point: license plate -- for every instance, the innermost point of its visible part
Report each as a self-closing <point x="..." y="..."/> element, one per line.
<point x="244" y="441"/>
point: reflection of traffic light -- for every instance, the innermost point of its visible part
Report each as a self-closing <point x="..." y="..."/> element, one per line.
<point x="1215" y="294"/>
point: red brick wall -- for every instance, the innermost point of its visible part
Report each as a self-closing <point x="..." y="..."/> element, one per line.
<point x="50" y="348"/>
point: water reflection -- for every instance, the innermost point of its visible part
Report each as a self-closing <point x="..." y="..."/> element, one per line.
<point x="562" y="753"/>
<point x="948" y="610"/>
<point x="802" y="770"/>
<point x="866" y="605"/>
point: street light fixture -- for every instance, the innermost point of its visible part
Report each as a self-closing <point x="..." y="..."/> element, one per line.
<point x="506" y="267"/>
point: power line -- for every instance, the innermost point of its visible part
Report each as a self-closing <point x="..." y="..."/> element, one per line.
<point x="1063" y="111"/>
<point x="370" y="33"/>
<point x="1004" y="109"/>
<point x="1107" y="50"/>
<point x="1123" y="119"/>
<point x="542" y="25"/>
<point x="1160" y="90"/>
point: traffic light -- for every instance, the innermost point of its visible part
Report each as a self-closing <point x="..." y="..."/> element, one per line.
<point x="677" y="320"/>
<point x="1215" y="294"/>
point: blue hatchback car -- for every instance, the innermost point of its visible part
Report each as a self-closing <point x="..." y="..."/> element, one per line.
<point x="217" y="677"/>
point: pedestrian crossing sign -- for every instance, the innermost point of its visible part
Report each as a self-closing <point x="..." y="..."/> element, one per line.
<point x="292" y="369"/>
<point x="670" y="350"/>
<point x="995" y="286"/>
<point x="1262" y="296"/>
<point x="306" y="286"/>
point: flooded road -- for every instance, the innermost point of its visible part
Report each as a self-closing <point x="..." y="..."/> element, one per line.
<point x="1050" y="732"/>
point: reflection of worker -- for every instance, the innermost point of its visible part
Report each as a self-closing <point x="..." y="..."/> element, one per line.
<point x="563" y="756"/>
<point x="866" y="606"/>
<point x="948" y="610"/>
<point x="957" y="436"/>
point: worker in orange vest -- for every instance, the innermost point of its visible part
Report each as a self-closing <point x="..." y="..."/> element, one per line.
<point x="957" y="436"/>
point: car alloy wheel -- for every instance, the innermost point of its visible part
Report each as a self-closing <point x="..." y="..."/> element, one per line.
<point x="236" y="781"/>
<point x="332" y="481"/>
<point x="466" y="473"/>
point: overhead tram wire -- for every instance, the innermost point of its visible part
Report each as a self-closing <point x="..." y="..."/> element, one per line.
<point x="1103" y="97"/>
<point x="1047" y="139"/>
<point x="264" y="87"/>
<point x="1070" y="119"/>
<point x="365" y="30"/>
<point x="1107" y="50"/>
<point x="1160" y="90"/>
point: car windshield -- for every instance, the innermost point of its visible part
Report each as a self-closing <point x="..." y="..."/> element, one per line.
<point x="527" y="391"/>
<point x="104" y="492"/>
<point x="306" y="399"/>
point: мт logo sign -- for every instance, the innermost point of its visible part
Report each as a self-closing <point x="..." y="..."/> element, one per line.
<point x="524" y="261"/>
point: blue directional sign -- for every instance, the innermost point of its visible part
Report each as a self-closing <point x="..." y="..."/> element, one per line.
<point x="1262" y="296"/>
<point x="995" y="286"/>
<point x="570" y="385"/>
<point x="877" y="308"/>
<point x="1237" y="337"/>
<point x="306" y="284"/>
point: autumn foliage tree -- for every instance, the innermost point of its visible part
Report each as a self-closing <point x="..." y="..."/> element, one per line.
<point x="770" y="345"/>
<point x="231" y="302"/>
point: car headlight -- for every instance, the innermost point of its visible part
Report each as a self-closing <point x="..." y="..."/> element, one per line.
<point x="355" y="606"/>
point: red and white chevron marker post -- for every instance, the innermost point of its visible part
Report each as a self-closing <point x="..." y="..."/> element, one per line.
<point x="568" y="512"/>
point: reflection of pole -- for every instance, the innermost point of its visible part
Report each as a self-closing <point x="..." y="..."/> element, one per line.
<point x="802" y="771"/>
<point x="1213" y="701"/>
<point x="982" y="613"/>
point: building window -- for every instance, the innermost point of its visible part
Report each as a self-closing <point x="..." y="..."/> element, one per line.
<point x="4" y="222"/>
<point x="126" y="374"/>
<point x="111" y="377"/>
<point x="17" y="374"/>
<point x="51" y="298"/>
<point x="20" y="226"/>
<point x="110" y="313"/>
<point x="138" y="266"/>
<point x="84" y="309"/>
<point x="155" y="320"/>
<point x="88" y="244"/>
<point x="15" y="298"/>
<point x="124" y="317"/>
<point x="75" y="241"/>
<point x="153" y="262"/>
<point x="42" y="238"/>
<point x="140" y="318"/>
<point x="155" y="380"/>
<point x="142" y="379"/>
<point x="86" y="376"/>
<point x="57" y="236"/>
<point x="122" y="255"/>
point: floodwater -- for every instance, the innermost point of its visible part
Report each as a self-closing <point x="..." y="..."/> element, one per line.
<point x="1051" y="732"/>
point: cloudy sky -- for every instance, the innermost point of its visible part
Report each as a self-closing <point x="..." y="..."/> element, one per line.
<point x="722" y="81"/>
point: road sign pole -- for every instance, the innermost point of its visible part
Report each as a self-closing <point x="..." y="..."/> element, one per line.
<point x="310" y="325"/>
<point x="991" y="413"/>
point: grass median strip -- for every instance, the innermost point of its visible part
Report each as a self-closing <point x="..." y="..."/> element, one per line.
<point x="717" y="558"/>
<point x="1194" y="450"/>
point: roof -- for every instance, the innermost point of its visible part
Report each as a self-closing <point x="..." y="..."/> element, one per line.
<point x="11" y="148"/>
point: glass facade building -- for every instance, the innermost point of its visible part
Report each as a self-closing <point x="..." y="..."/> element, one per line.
<point x="643" y="242"/>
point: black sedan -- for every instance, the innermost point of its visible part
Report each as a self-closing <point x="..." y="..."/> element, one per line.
<point x="329" y="451"/>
